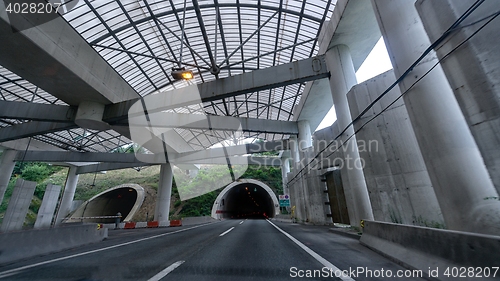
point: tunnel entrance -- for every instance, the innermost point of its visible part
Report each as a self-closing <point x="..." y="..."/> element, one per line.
<point x="125" y="199"/>
<point x="246" y="199"/>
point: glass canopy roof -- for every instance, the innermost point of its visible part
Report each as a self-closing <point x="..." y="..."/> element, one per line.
<point x="142" y="41"/>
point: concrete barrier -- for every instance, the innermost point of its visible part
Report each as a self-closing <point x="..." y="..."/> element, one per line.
<point x="429" y="248"/>
<point x="18" y="245"/>
<point x="197" y="220"/>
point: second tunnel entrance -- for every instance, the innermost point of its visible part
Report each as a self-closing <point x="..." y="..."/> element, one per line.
<point x="246" y="198"/>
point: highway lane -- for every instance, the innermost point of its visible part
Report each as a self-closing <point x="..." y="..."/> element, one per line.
<point x="227" y="250"/>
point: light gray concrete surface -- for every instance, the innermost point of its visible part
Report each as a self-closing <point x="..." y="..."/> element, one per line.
<point x="342" y="80"/>
<point x="424" y="248"/>
<point x="18" y="205"/>
<point x="472" y="70"/>
<point x="20" y="245"/>
<point x="7" y="164"/>
<point x="460" y="179"/>
<point x="68" y="194"/>
<point x="82" y="73"/>
<point x="49" y="203"/>
<point x="396" y="176"/>
<point x="162" y="207"/>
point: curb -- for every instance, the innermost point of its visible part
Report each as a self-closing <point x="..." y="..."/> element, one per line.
<point x="348" y="234"/>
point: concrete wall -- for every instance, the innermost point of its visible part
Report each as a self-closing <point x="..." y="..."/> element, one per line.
<point x="396" y="176"/>
<point x="18" y="205"/>
<point x="421" y="247"/>
<point x="49" y="203"/>
<point x="25" y="244"/>
<point x="332" y="156"/>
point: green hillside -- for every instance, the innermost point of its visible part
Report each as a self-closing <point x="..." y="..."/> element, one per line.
<point x="148" y="177"/>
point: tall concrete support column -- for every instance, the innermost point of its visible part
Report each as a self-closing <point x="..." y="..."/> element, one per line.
<point x="294" y="150"/>
<point x="49" y="203"/>
<point x="305" y="137"/>
<point x="164" y="193"/>
<point x="7" y="164"/>
<point x="343" y="78"/>
<point x="472" y="70"/>
<point x="457" y="171"/>
<point x="285" y="169"/>
<point x="68" y="194"/>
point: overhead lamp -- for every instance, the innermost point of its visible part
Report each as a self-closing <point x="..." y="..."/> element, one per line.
<point x="182" y="73"/>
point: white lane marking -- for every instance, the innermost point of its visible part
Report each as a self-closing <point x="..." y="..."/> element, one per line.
<point x="319" y="258"/>
<point x="226" y="232"/>
<point x="242" y="222"/>
<point x="166" y="271"/>
<point x="19" y="269"/>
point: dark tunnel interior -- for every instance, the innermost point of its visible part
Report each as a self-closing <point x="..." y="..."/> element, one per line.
<point x="247" y="200"/>
<point x="109" y="204"/>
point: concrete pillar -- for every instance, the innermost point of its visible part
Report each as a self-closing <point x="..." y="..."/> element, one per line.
<point x="49" y="203"/>
<point x="164" y="193"/>
<point x="68" y="194"/>
<point x="19" y="204"/>
<point x="343" y="78"/>
<point x="472" y="70"/>
<point x="456" y="168"/>
<point x="294" y="150"/>
<point x="7" y="164"/>
<point x="396" y="176"/>
<point x="285" y="169"/>
<point x="89" y="116"/>
<point x="305" y="138"/>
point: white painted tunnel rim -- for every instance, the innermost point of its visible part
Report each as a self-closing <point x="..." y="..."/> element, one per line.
<point x="243" y="181"/>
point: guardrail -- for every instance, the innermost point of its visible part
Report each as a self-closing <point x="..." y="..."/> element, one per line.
<point x="94" y="217"/>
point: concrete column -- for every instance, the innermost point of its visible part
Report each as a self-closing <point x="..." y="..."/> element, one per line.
<point x="285" y="169"/>
<point x="343" y="78"/>
<point x="472" y="70"/>
<point x="49" y="203"/>
<point x="455" y="166"/>
<point x="164" y="193"/>
<point x="7" y="164"/>
<point x="19" y="204"/>
<point x="294" y="150"/>
<point x="68" y="195"/>
<point x="305" y="138"/>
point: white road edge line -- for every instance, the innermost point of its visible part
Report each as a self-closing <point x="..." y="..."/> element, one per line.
<point x="166" y="271"/>
<point x="242" y="222"/>
<point x="226" y="232"/>
<point x="319" y="258"/>
<point x="17" y="270"/>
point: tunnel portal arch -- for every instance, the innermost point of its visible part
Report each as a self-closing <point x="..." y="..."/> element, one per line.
<point x="262" y="196"/>
<point x="124" y="198"/>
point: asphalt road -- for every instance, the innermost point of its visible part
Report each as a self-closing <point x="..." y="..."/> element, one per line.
<point x="227" y="250"/>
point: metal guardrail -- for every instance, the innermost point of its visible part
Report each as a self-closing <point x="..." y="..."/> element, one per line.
<point x="95" y="217"/>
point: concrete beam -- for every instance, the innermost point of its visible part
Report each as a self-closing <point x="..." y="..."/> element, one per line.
<point x="55" y="51"/>
<point x="70" y="156"/>
<point x="212" y="122"/>
<point x="261" y="161"/>
<point x="277" y="76"/>
<point x="130" y="158"/>
<point x="353" y="24"/>
<point x="32" y="128"/>
<point x="37" y="111"/>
